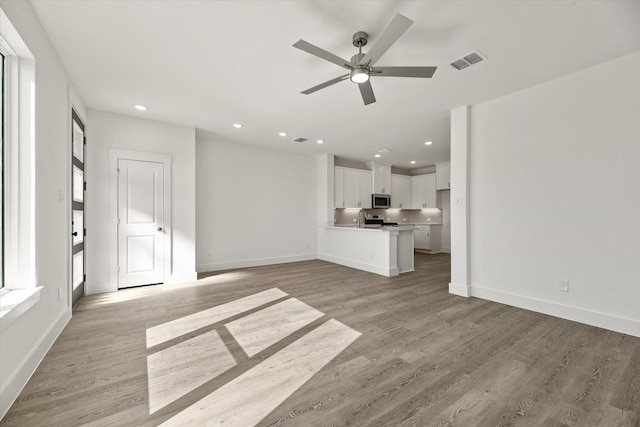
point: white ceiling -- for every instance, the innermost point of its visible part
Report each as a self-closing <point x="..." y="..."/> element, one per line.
<point x="209" y="64"/>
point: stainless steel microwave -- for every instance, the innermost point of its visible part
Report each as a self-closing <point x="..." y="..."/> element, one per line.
<point x="380" y="201"/>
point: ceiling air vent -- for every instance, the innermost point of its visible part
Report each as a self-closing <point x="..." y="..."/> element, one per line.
<point x="459" y="64"/>
<point x="464" y="62"/>
<point x="472" y="58"/>
<point x="300" y="139"/>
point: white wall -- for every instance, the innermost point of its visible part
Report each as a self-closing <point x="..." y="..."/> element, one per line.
<point x="254" y="206"/>
<point x="555" y="194"/>
<point x="459" y="200"/>
<point x="325" y="181"/>
<point x="124" y="132"/>
<point x="24" y="342"/>
<point x="444" y="203"/>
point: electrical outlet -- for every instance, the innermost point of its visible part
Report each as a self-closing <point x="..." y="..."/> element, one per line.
<point x="564" y="285"/>
<point x="355" y="220"/>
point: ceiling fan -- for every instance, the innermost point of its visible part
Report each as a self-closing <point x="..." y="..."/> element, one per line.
<point x="361" y="67"/>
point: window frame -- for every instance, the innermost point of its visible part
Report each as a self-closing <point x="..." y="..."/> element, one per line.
<point x="3" y="112"/>
<point x="19" y="291"/>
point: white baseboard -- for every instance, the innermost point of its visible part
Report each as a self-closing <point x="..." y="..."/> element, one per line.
<point x="446" y="249"/>
<point x="256" y="262"/>
<point x="588" y="317"/>
<point x="459" y="289"/>
<point x="11" y="389"/>
<point x="389" y="272"/>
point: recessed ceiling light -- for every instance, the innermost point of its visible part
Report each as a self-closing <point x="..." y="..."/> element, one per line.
<point x="320" y="141"/>
<point x="237" y="125"/>
<point x="282" y="134"/>
<point x="377" y="155"/>
<point x="428" y="143"/>
<point x="413" y="162"/>
<point x="140" y="107"/>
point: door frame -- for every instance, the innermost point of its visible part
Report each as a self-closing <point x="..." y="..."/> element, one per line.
<point x="116" y="154"/>
<point x="75" y="116"/>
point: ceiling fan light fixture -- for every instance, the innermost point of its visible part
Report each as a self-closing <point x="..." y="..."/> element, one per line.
<point x="359" y="75"/>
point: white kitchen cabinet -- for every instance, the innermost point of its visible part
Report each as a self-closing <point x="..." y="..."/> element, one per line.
<point x="443" y="176"/>
<point x="422" y="237"/>
<point x="364" y="189"/>
<point x="338" y="188"/>
<point x="352" y="188"/>
<point x="423" y="191"/>
<point x="427" y="238"/>
<point x="381" y="180"/>
<point x="401" y="191"/>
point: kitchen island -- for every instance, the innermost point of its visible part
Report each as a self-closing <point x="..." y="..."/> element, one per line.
<point x="386" y="250"/>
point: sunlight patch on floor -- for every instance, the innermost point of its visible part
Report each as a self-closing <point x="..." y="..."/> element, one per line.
<point x="260" y="330"/>
<point x="176" y="371"/>
<point x="248" y="398"/>
<point x="180" y="369"/>
<point x="230" y="276"/>
<point x="183" y="325"/>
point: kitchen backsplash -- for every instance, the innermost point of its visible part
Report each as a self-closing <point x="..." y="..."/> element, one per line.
<point x="422" y="216"/>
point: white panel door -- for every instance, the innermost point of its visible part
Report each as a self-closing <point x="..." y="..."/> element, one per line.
<point x="140" y="223"/>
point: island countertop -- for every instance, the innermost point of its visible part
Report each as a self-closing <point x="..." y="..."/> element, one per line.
<point x="386" y="250"/>
<point x="377" y="229"/>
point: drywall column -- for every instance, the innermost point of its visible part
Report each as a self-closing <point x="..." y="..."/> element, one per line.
<point x="460" y="248"/>
<point x="326" y="164"/>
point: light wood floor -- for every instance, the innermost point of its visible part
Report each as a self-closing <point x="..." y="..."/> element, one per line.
<point x="343" y="347"/>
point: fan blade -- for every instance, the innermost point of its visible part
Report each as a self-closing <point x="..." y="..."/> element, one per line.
<point x="424" y="72"/>
<point x="389" y="36"/>
<point x="325" y="84"/>
<point x="367" y="92"/>
<point x="321" y="53"/>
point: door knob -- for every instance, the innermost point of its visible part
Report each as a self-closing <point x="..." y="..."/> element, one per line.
<point x="75" y="233"/>
<point x="159" y="228"/>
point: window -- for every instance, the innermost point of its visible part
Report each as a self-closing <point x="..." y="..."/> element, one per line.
<point x="18" y="289"/>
